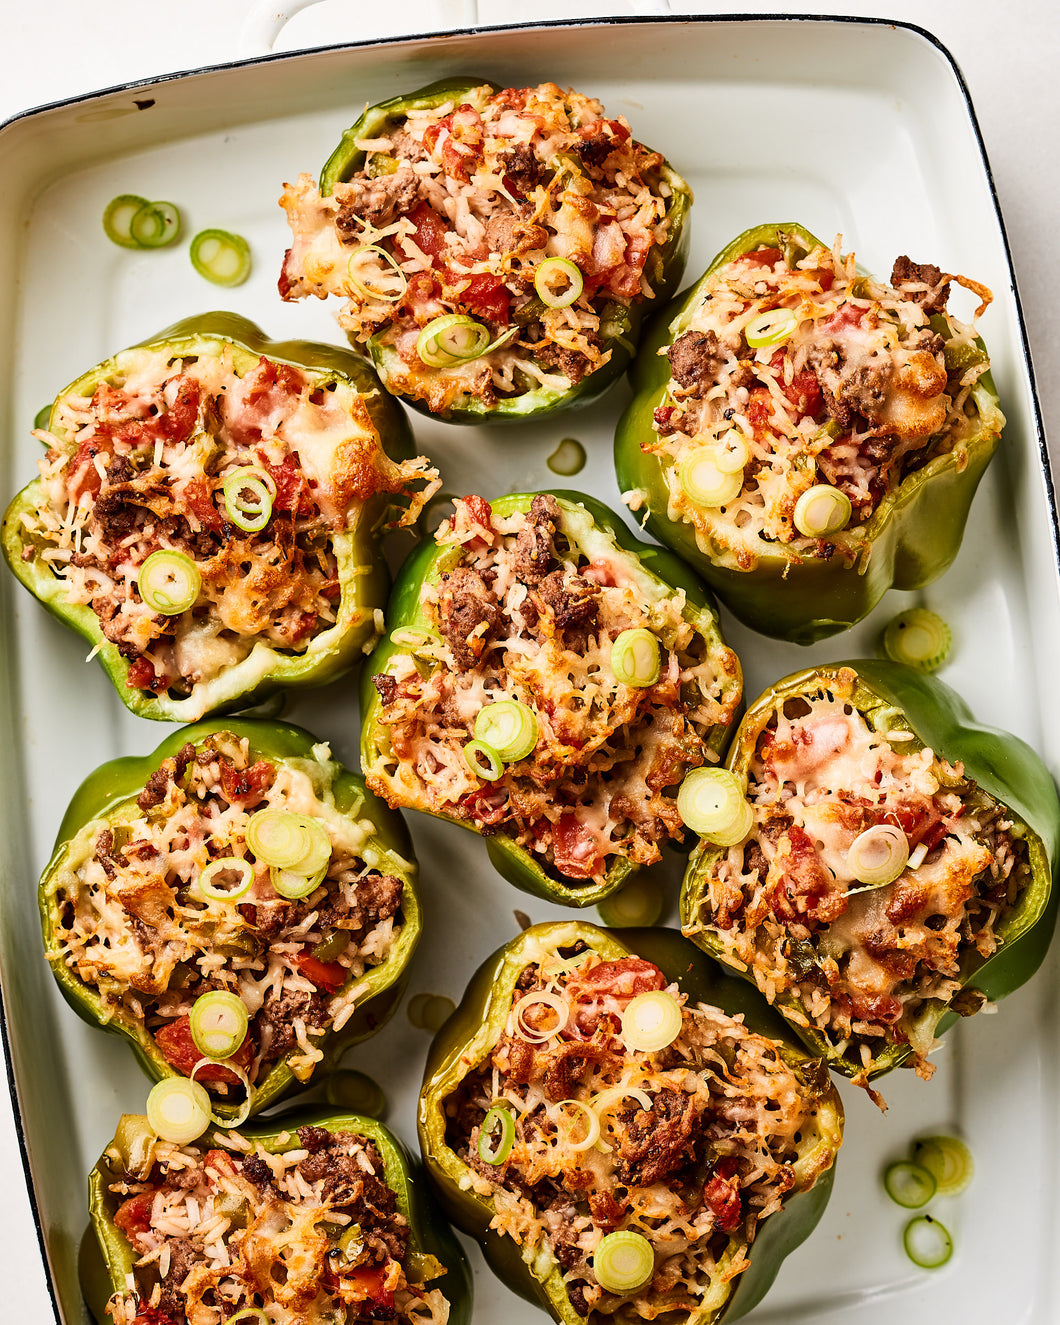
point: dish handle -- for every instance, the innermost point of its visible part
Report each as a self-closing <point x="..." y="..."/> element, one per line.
<point x="266" y="19"/>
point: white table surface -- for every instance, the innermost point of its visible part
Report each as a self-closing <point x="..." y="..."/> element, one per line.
<point x="55" y="49"/>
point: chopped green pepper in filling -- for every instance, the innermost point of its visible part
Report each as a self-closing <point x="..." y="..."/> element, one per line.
<point x="490" y="244"/>
<point x="523" y="705"/>
<point x="801" y="393"/>
<point x="164" y="902"/>
<point x="611" y="1104"/>
<point x="302" y="1228"/>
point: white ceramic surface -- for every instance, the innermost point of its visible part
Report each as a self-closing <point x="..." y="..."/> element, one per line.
<point x="880" y="117"/>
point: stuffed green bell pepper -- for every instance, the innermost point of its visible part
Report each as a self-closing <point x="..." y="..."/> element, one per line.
<point x="237" y="905"/>
<point x="496" y="249"/>
<point x="807" y="436"/>
<point x="629" y="1133"/>
<point x="312" y="1216"/>
<point x="547" y="679"/>
<point x="887" y="863"/>
<point x="208" y="511"/>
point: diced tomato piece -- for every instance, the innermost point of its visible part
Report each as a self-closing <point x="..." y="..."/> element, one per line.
<point x="157" y="1316"/>
<point x="625" y="977"/>
<point x="134" y="1215"/>
<point x="178" y="422"/>
<point x="824" y="276"/>
<point x="486" y="805"/>
<point x="722" y="1194"/>
<point x="199" y="501"/>
<point x="487" y="297"/>
<point x="181" y="1052"/>
<point x="142" y="676"/>
<point x="847" y="315"/>
<point x="219" y="1161"/>
<point x="804" y="393"/>
<point x="328" y="976"/>
<point x="430" y="231"/>
<point x="574" y="848"/>
<point x="602" y="572"/>
<point x="758" y="411"/>
<point x="292" y="490"/>
<point x="462" y="147"/>
<point x="248" y="785"/>
<point x="82" y="474"/>
<point x="761" y="257"/>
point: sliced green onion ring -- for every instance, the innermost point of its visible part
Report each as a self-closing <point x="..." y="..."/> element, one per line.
<point x="450" y="339"/>
<point x="244" y="1109"/>
<point x="279" y="838"/>
<point x="540" y="998"/>
<point x="293" y="884"/>
<point x="219" y="1022"/>
<point x="169" y="582"/>
<point x="822" y="510"/>
<point x="248" y="1316"/>
<point x="252" y="512"/>
<point x="501" y="1121"/>
<point x="508" y="728"/>
<point x="772" y="327"/>
<point x="927" y="1242"/>
<point x="561" y="273"/>
<point x="651" y="1021"/>
<point x="704" y="483"/>
<point x="948" y="1160"/>
<point x="711" y="802"/>
<point x="483" y="761"/>
<point x="117" y="218"/>
<point x="389" y="285"/>
<point x="635" y="658"/>
<point x="221" y="257"/>
<point x="731" y="452"/>
<point x="878" y="855"/>
<point x="568" y="458"/>
<point x="607" y="1098"/>
<point x="155" y="225"/>
<point x="208" y="880"/>
<point x="919" y="638"/>
<point x="909" y="1185"/>
<point x="639" y="903"/>
<point x="623" y="1262"/>
<point x="178" y="1110"/>
<point x="592" y="1125"/>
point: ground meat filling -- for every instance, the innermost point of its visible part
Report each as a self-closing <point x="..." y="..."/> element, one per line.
<point x="303" y="1232"/>
<point x="862" y="961"/>
<point x="852" y="392"/>
<point x="697" y="1141"/>
<point x="529" y="614"/>
<point x="140" y="467"/>
<point x="454" y="212"/>
<point x="135" y="927"/>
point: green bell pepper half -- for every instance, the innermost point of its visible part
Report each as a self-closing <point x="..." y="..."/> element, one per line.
<point x="428" y="563"/>
<point x="621" y="325"/>
<point x="107" y="1260"/>
<point x="468" y="1039"/>
<point x="893" y="696"/>
<point x="362" y="574"/>
<point x="912" y="537"/>
<point x="108" y="797"/>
